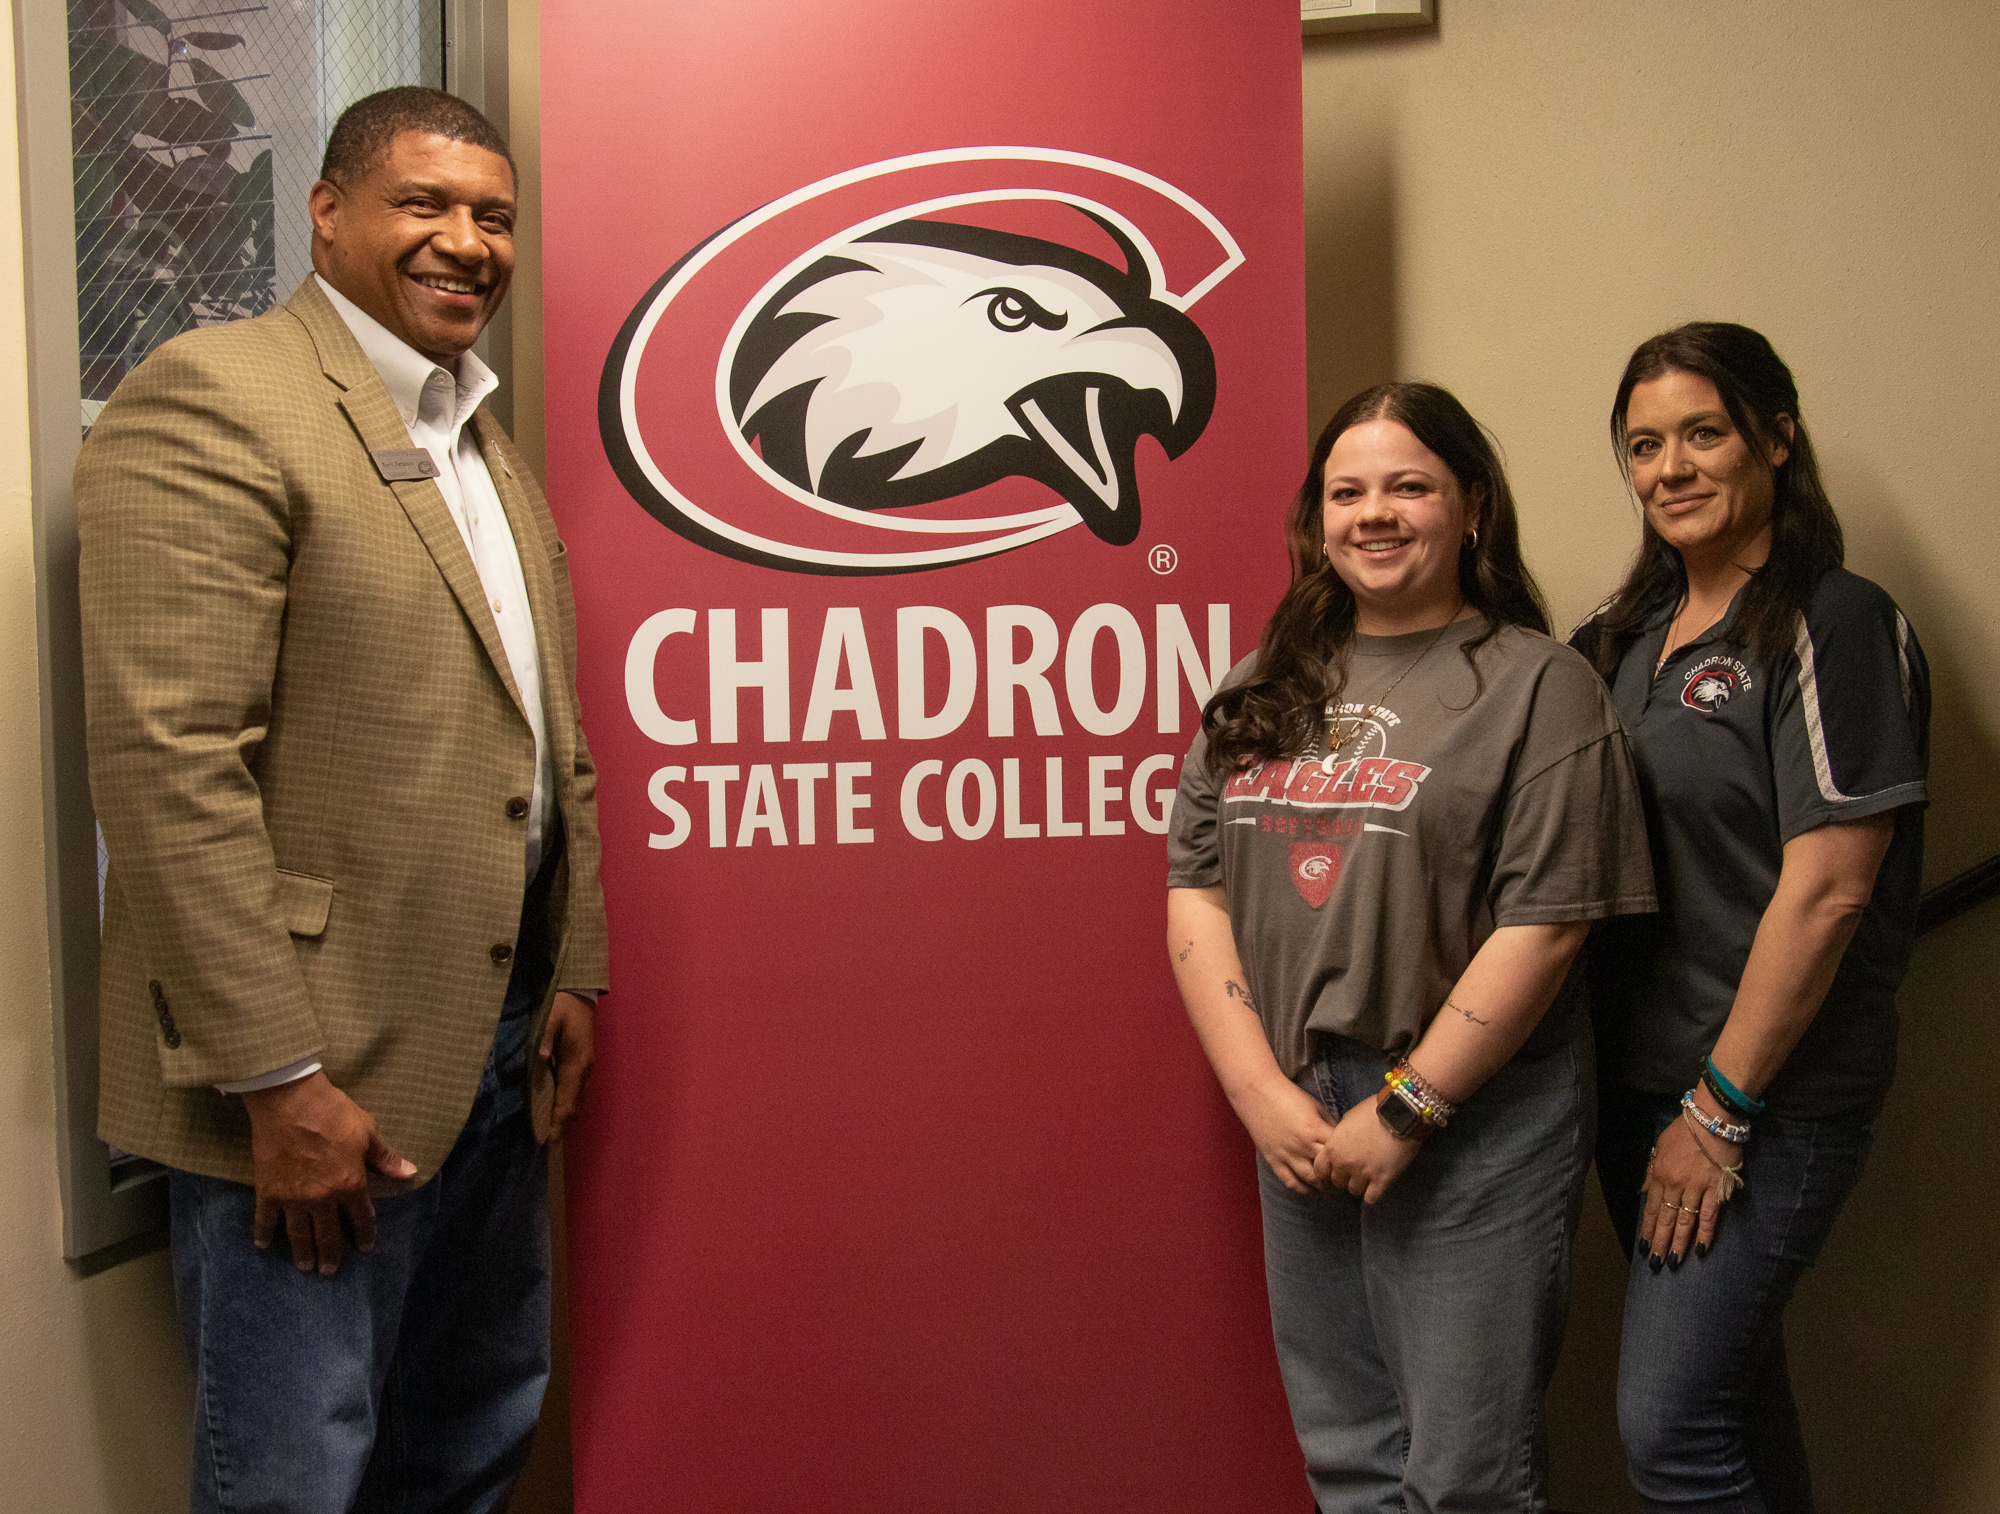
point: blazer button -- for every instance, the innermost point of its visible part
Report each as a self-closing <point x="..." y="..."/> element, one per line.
<point x="172" y="1038"/>
<point x="517" y="808"/>
<point x="501" y="953"/>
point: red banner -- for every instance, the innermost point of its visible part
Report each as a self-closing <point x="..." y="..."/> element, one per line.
<point x="925" y="389"/>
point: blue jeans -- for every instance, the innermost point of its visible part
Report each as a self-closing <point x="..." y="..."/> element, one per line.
<point x="1705" y="1403"/>
<point x="1417" y="1336"/>
<point x="411" y="1380"/>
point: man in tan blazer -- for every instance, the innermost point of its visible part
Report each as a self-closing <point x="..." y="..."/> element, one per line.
<point x="353" y="931"/>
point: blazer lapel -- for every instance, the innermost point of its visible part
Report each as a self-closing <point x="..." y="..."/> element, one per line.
<point x="520" y="498"/>
<point x="373" y="414"/>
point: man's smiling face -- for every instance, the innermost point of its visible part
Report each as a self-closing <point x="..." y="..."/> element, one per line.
<point x="424" y="242"/>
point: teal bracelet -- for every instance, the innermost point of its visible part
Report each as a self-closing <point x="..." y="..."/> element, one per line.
<point x="1732" y="1093"/>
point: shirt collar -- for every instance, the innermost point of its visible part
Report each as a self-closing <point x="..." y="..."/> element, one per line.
<point x="1665" y="611"/>
<point x="415" y="383"/>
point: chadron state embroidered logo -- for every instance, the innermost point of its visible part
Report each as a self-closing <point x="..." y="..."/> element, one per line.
<point x="918" y="362"/>
<point x="1713" y="682"/>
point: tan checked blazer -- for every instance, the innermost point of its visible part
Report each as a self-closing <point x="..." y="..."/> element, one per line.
<point x="306" y="749"/>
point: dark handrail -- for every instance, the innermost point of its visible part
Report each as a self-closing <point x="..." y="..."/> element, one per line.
<point x="1955" y="896"/>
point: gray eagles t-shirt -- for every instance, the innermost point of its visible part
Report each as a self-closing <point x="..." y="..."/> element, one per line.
<point x="1360" y="888"/>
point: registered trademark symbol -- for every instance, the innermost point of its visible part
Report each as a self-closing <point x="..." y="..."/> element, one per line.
<point x="1162" y="559"/>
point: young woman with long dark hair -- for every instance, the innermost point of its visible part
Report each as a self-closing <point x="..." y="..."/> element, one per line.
<point x="1779" y="709"/>
<point x="1391" y="833"/>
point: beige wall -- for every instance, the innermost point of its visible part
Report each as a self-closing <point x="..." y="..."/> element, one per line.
<point x="1508" y="204"/>
<point x="1505" y="204"/>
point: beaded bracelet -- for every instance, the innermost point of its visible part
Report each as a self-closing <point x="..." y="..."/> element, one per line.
<point x="1435" y="1106"/>
<point x="1736" y="1135"/>
<point x="1727" y="1179"/>
<point x="1418" y="1084"/>
<point x="1733" y="1099"/>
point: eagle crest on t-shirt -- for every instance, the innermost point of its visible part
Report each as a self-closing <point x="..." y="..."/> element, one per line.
<point x="1315" y="870"/>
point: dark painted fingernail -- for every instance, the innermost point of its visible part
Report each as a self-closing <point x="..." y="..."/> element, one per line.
<point x="1644" y="1249"/>
<point x="1654" y="1262"/>
<point x="1701" y="1249"/>
<point x="1674" y="1262"/>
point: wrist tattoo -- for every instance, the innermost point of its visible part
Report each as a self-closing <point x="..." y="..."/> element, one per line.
<point x="1451" y="1003"/>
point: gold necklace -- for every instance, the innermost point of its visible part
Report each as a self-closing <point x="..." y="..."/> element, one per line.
<point x="1667" y="646"/>
<point x="1331" y="759"/>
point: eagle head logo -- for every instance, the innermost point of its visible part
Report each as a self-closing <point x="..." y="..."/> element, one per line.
<point x="1709" y="691"/>
<point x="927" y="359"/>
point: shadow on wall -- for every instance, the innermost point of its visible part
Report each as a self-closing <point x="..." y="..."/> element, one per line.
<point x="144" y="1393"/>
<point x="1351" y="239"/>
<point x="1888" y="542"/>
<point x="1889" y="1338"/>
<point x="1896" y="1328"/>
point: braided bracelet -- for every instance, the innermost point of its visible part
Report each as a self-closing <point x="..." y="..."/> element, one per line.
<point x="1736" y="1135"/>
<point x="1435" y="1106"/>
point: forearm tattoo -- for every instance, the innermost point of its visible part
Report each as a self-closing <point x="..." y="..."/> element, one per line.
<point x="1450" y="1003"/>
<point x="1182" y="954"/>
<point x="1236" y="990"/>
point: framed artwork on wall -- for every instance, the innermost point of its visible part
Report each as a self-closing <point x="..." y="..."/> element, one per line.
<point x="1317" y="16"/>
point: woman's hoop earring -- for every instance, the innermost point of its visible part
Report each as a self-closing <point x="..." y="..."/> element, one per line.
<point x="1472" y="537"/>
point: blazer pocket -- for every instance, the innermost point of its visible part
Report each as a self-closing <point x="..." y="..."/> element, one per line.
<point x="304" y="901"/>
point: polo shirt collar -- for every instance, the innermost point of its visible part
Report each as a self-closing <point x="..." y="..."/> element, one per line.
<point x="418" y="387"/>
<point x="1658" y="620"/>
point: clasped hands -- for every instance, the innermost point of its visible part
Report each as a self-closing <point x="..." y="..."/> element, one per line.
<point x="1308" y="1152"/>
<point x="312" y="1148"/>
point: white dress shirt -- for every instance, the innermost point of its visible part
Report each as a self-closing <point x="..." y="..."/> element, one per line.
<point x="436" y="404"/>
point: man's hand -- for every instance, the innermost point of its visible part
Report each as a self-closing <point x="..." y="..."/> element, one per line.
<point x="1363" y="1155"/>
<point x="568" y="1048"/>
<point x="312" y="1146"/>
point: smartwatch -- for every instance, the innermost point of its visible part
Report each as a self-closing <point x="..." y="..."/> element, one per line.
<point x="1403" y="1115"/>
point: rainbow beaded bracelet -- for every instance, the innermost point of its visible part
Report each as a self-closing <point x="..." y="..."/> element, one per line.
<point x="1435" y="1106"/>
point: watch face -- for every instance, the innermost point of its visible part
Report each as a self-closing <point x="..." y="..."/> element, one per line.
<point x="1400" y="1115"/>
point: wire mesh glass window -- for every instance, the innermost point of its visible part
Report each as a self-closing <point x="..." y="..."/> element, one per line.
<point x="197" y="129"/>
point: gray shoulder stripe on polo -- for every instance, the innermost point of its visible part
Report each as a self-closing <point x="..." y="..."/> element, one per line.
<point x="1815" y="728"/>
<point x="1903" y="656"/>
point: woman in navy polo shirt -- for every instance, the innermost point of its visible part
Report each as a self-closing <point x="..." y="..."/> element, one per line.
<point x="1778" y="707"/>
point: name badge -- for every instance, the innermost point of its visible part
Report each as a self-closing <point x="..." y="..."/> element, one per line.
<point x="398" y="464"/>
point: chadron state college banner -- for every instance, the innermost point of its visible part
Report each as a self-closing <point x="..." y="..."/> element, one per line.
<point x="925" y="390"/>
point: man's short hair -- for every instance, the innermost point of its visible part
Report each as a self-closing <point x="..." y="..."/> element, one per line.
<point x="360" y="138"/>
